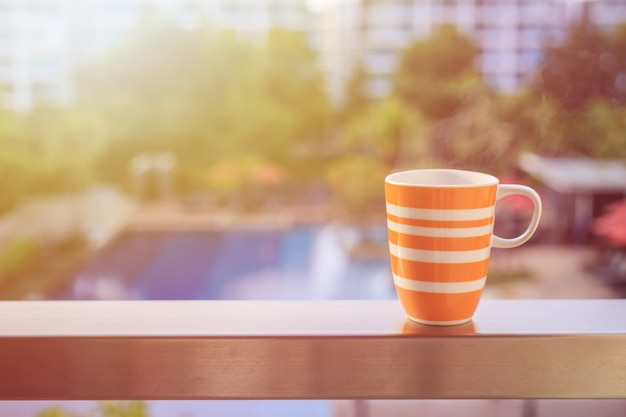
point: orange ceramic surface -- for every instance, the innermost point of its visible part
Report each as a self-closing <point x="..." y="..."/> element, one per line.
<point x="440" y="239"/>
<point x="441" y="198"/>
<point x="437" y="272"/>
<point x="432" y="307"/>
<point x="449" y="224"/>
<point x="439" y="243"/>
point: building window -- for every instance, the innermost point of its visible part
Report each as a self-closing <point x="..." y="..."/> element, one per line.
<point x="378" y="87"/>
<point x="380" y="62"/>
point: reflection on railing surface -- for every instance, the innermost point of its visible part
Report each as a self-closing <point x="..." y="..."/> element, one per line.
<point x="309" y="350"/>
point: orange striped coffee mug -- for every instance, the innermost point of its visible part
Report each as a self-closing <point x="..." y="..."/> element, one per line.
<point x="440" y="228"/>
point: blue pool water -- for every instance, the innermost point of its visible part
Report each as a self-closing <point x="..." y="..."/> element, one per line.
<point x="295" y="263"/>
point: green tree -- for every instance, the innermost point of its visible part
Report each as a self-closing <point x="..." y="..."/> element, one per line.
<point x="434" y="74"/>
<point x="294" y="90"/>
<point x="356" y="182"/>
<point x="580" y="95"/>
<point x="60" y="148"/>
<point x="588" y="66"/>
<point x="104" y="409"/>
<point x="356" y="98"/>
<point x="123" y="409"/>
<point x="14" y="254"/>
<point x="16" y="163"/>
<point x="166" y="89"/>
<point x="479" y="136"/>
<point x="382" y="136"/>
<point x="383" y="130"/>
<point x="598" y="132"/>
<point x="44" y="151"/>
<point x="206" y="97"/>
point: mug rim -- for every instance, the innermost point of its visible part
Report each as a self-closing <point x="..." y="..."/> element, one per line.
<point x="488" y="179"/>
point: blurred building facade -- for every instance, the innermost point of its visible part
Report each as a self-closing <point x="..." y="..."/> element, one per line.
<point x="44" y="42"/>
<point x="510" y="35"/>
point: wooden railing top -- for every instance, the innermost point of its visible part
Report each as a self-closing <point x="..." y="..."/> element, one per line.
<point x="309" y="349"/>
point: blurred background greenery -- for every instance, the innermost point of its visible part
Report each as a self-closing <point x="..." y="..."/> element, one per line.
<point x="225" y="109"/>
<point x="248" y="126"/>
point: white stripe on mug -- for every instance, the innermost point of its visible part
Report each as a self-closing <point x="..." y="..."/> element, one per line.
<point x="440" y="287"/>
<point x="440" y="214"/>
<point x="439" y="231"/>
<point x="419" y="255"/>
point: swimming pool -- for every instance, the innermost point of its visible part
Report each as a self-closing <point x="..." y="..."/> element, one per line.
<point x="289" y="263"/>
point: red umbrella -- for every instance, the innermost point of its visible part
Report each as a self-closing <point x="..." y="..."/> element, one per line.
<point x="516" y="203"/>
<point x="612" y="224"/>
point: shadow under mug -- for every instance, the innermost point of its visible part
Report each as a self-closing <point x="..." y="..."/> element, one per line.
<point x="440" y="228"/>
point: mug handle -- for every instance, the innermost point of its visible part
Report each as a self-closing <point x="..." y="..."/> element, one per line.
<point x="513" y="189"/>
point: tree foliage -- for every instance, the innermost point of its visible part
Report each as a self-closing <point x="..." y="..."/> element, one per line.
<point x="228" y="109"/>
<point x="292" y="80"/>
<point x="382" y="130"/>
<point x="103" y="409"/>
<point x="204" y="96"/>
<point x="477" y="137"/>
<point x="45" y="151"/>
<point x="434" y="73"/>
<point x="588" y="66"/>
<point x="355" y="97"/>
<point x="580" y="94"/>
<point x="382" y="136"/>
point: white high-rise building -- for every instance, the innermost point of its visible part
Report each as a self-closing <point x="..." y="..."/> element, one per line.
<point x="340" y="46"/>
<point x="510" y="35"/>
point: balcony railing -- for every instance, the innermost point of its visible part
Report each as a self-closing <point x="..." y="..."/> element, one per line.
<point x="309" y="350"/>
